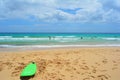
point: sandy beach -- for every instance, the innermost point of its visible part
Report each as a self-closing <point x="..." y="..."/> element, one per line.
<point x="100" y="63"/>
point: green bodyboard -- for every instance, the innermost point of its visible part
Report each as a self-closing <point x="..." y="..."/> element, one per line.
<point x="29" y="70"/>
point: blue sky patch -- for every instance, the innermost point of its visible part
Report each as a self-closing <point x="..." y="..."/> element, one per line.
<point x="71" y="11"/>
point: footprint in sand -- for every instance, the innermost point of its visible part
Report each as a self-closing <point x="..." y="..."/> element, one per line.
<point x="115" y="65"/>
<point x="1" y="68"/>
<point x="18" y="69"/>
<point x="41" y="65"/>
<point x="8" y="64"/>
<point x="94" y="70"/>
<point x="104" y="61"/>
<point x="97" y="64"/>
<point x="85" y="67"/>
<point x="78" y="72"/>
<point x="114" y="61"/>
<point x="103" y="77"/>
<point x="90" y="78"/>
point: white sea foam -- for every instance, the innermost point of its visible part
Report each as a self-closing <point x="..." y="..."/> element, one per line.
<point x="23" y="39"/>
<point x="7" y="46"/>
<point x="5" y="36"/>
<point x="71" y="36"/>
<point x="111" y="38"/>
<point x="55" y="46"/>
<point x="26" y="36"/>
<point x="66" y="39"/>
<point x="65" y="36"/>
<point x="58" y="46"/>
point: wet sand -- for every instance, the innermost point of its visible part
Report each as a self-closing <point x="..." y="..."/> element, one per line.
<point x="100" y="63"/>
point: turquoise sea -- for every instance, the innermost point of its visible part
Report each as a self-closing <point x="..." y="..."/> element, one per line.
<point x="58" y="39"/>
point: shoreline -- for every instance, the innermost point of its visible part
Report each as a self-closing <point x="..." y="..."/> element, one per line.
<point x="19" y="49"/>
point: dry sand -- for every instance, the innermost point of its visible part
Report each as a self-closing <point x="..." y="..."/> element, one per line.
<point x="63" y="64"/>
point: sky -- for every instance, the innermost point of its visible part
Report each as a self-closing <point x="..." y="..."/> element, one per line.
<point x="79" y="16"/>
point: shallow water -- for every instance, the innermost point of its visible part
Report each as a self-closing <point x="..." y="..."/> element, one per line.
<point x="59" y="39"/>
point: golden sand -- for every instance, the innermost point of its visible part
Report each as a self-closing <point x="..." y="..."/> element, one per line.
<point x="63" y="64"/>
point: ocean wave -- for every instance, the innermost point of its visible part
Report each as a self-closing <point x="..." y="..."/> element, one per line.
<point x="111" y="38"/>
<point x="27" y="38"/>
<point x="7" y="46"/>
<point x="68" y="39"/>
<point x="5" y="36"/>
<point x="23" y="39"/>
<point x="55" y="38"/>
<point x="64" y="37"/>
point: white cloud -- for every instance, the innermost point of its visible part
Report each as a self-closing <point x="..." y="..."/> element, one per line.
<point x="49" y="10"/>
